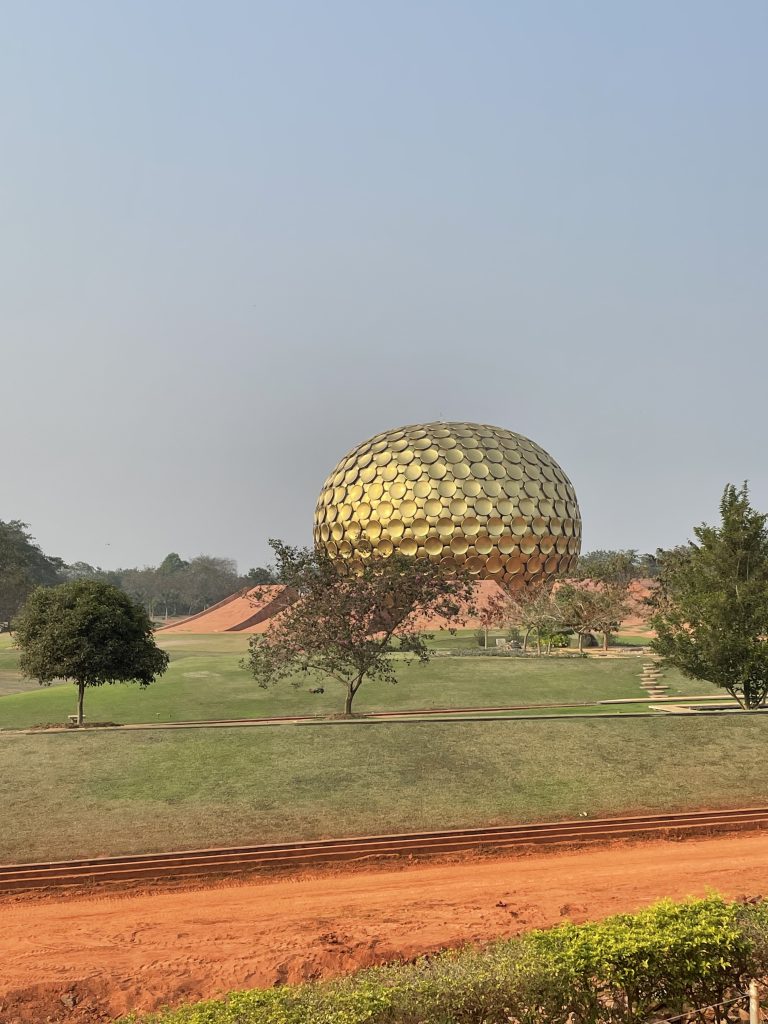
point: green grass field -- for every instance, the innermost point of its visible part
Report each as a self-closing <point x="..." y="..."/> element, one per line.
<point x="76" y="794"/>
<point x="205" y="681"/>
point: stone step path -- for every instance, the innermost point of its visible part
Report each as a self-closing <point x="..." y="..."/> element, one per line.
<point x="650" y="680"/>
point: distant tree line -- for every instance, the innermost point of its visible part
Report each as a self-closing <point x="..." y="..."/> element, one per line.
<point x="175" y="587"/>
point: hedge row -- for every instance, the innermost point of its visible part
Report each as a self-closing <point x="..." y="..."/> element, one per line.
<point x="626" y="969"/>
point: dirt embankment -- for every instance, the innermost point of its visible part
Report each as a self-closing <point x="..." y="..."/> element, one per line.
<point x="80" y="959"/>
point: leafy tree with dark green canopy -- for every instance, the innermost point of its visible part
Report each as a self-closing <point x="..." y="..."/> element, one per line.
<point x="23" y="566"/>
<point x="347" y="625"/>
<point x="711" y="606"/>
<point x="90" y="633"/>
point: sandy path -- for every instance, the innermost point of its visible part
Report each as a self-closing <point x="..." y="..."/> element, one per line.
<point x="139" y="951"/>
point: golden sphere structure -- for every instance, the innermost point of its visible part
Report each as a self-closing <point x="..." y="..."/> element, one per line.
<point x="464" y="494"/>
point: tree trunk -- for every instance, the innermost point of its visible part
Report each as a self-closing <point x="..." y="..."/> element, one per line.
<point x="485" y="637"/>
<point x="348" y="699"/>
<point x="581" y="642"/>
<point x="538" y="643"/>
<point x="80" y="695"/>
<point x="606" y="636"/>
<point x="525" y="639"/>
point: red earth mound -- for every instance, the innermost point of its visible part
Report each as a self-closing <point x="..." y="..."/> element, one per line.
<point x="247" y="611"/>
<point x="250" y="611"/>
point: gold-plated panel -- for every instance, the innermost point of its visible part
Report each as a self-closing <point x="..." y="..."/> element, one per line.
<point x="471" y="526"/>
<point x="528" y="545"/>
<point x="483" y="545"/>
<point x="459" y="545"/>
<point x="456" y="493"/>
<point x="420" y="528"/>
<point x="408" y="510"/>
<point x="506" y="544"/>
<point x="519" y="525"/>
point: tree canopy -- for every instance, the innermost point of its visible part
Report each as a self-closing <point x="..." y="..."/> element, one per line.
<point x="711" y="606"/>
<point x="346" y="627"/>
<point x="23" y="566"/>
<point x="87" y="632"/>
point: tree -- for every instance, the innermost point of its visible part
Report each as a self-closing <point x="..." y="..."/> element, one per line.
<point x="535" y="609"/>
<point x="711" y="606"/>
<point x="617" y="567"/>
<point x="610" y="608"/>
<point x="23" y="566"/>
<point x="347" y="625"/>
<point x="494" y="613"/>
<point x="260" y="576"/>
<point x="580" y="609"/>
<point x="207" y="580"/>
<point x="90" y="633"/>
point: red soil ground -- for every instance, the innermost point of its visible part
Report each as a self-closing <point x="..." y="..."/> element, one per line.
<point x="89" y="959"/>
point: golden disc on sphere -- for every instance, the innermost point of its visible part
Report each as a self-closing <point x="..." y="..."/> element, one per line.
<point x="408" y="510"/>
<point x="420" y="528"/>
<point x="454" y="493"/>
<point x="471" y="526"/>
<point x="459" y="545"/>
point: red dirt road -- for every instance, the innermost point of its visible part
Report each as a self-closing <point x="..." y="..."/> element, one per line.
<point x="93" y="958"/>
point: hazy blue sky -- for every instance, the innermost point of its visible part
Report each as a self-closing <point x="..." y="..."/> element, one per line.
<point x="237" y="238"/>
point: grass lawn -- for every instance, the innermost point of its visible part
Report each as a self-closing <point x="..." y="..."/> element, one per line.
<point x="205" y="681"/>
<point x="77" y="794"/>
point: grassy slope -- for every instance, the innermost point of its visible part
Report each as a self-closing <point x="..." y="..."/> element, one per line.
<point x="205" y="681"/>
<point x="68" y="795"/>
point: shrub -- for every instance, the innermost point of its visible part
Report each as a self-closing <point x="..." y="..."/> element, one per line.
<point x="658" y="963"/>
